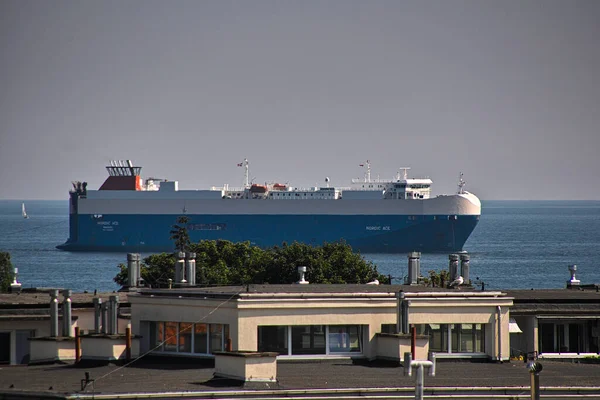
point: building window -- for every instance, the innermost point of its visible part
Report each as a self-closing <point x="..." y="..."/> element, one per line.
<point x="344" y="338"/>
<point x="462" y="338"/>
<point x="569" y="336"/>
<point x="170" y="336"/>
<point x="467" y="338"/>
<point x="201" y="338"/>
<point x="311" y="339"/>
<point x="273" y="338"/>
<point x="187" y="337"/>
<point x="216" y="338"/>
<point x="308" y="339"/>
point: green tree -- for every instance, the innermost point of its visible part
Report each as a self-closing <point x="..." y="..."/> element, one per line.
<point x="180" y="235"/>
<point x="155" y="270"/>
<point x="437" y="278"/>
<point x="6" y="271"/>
<point x="220" y="262"/>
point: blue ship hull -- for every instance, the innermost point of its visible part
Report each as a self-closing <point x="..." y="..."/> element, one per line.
<point x="365" y="233"/>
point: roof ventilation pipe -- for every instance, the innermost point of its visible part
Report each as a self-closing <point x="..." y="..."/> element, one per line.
<point x="190" y="268"/>
<point x="133" y="269"/>
<point x="453" y="266"/>
<point x="464" y="267"/>
<point x="573" y="281"/>
<point x="15" y="286"/>
<point x="113" y="323"/>
<point x="97" y="314"/>
<point x="414" y="261"/>
<point x="54" y="313"/>
<point x="67" y="312"/>
<point x="401" y="313"/>
<point x="301" y="272"/>
<point x="180" y="268"/>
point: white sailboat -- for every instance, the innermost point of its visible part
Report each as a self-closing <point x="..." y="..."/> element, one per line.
<point x="23" y="212"/>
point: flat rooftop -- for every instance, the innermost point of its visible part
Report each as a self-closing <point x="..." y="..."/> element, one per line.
<point x="330" y="289"/>
<point x="161" y="374"/>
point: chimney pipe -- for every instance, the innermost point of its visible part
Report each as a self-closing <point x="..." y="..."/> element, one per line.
<point x="67" y="312"/>
<point x="97" y="313"/>
<point x="114" y="312"/>
<point x="133" y="269"/>
<point x="464" y="268"/>
<point x="413" y="267"/>
<point x="405" y="305"/>
<point x="54" y="313"/>
<point x="180" y="268"/>
<point x="453" y="266"/>
<point x="573" y="281"/>
<point x="104" y="311"/>
<point x="15" y="286"/>
<point x="399" y="308"/>
<point x="301" y="272"/>
<point x="190" y="268"/>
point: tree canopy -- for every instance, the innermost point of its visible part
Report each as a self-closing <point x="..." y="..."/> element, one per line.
<point x="6" y="271"/>
<point x="220" y="262"/>
<point x="180" y="235"/>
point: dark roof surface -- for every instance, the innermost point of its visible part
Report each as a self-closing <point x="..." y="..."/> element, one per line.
<point x="557" y="295"/>
<point x="305" y="288"/>
<point x="162" y="375"/>
<point x="42" y="298"/>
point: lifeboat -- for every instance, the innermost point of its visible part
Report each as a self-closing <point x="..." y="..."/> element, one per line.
<point x="279" y="186"/>
<point x="258" y="188"/>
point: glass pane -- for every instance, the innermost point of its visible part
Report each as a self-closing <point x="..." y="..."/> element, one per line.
<point x="171" y="336"/>
<point x="226" y="336"/>
<point x="185" y="337"/>
<point x="438" y="337"/>
<point x="462" y="338"/>
<point x="216" y="337"/>
<point x="344" y="338"/>
<point x="546" y="337"/>
<point x="152" y="335"/>
<point x="160" y="336"/>
<point x="308" y="339"/>
<point x="200" y="338"/>
<point x="479" y="333"/>
<point x="273" y="338"/>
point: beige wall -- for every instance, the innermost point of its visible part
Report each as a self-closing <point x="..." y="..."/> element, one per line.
<point x="393" y="348"/>
<point x="246" y="314"/>
<point x="259" y="369"/>
<point x="102" y="348"/>
<point x="51" y="350"/>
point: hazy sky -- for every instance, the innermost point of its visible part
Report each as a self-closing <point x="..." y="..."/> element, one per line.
<point x="507" y="92"/>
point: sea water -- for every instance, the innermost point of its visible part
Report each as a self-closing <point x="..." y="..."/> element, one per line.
<point x="516" y="245"/>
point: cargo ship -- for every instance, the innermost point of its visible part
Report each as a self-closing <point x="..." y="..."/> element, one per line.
<point x="130" y="214"/>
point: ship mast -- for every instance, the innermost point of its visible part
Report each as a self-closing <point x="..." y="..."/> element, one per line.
<point x="368" y="174"/>
<point x="404" y="173"/>
<point x="246" y="180"/>
<point x="461" y="184"/>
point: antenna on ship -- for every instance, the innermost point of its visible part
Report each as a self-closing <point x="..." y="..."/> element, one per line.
<point x="404" y="172"/>
<point x="368" y="174"/>
<point x="245" y="165"/>
<point x="461" y="184"/>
